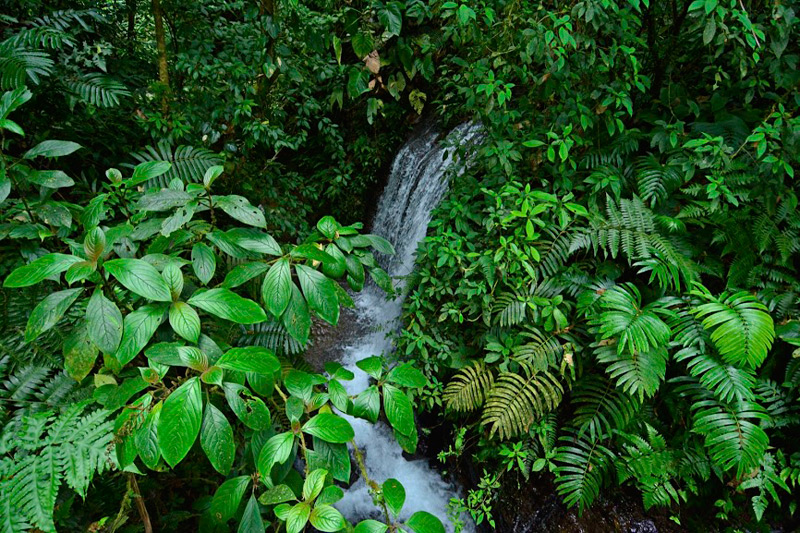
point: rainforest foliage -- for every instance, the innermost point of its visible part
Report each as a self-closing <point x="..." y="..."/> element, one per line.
<point x="608" y="296"/>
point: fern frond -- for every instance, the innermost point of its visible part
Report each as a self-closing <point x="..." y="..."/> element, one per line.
<point x="655" y="181"/>
<point x="600" y="408"/>
<point x="542" y="350"/>
<point x="98" y="90"/>
<point x="780" y="403"/>
<point x="469" y="388"/>
<point x="637" y="328"/>
<point x="732" y="434"/>
<point x="635" y="373"/>
<point x="582" y="470"/>
<point x="517" y="400"/>
<point x="270" y="334"/>
<point x="20" y="65"/>
<point x="652" y="465"/>
<point x="742" y="330"/>
<point x="726" y="382"/>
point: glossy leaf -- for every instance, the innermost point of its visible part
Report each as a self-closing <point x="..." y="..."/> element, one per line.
<point x="180" y="421"/>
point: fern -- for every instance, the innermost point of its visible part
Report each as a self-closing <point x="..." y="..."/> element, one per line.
<point x="270" y="334"/>
<point x="46" y="451"/>
<point x="582" y="469"/>
<point x="189" y="164"/>
<point x="542" y="350"/>
<point x="517" y="400"/>
<point x="726" y="382"/>
<point x="635" y="373"/>
<point x="637" y="328"/>
<point x="600" y="408"/>
<point x="20" y="65"/>
<point x="732" y="434"/>
<point x="469" y="388"/>
<point x="652" y="465"/>
<point x="98" y="89"/>
<point x="655" y="181"/>
<point x="742" y="330"/>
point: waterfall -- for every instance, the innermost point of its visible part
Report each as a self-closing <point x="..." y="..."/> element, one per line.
<point x="417" y="182"/>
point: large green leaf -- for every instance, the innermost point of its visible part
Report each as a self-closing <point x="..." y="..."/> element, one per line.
<point x="228" y="305"/>
<point x="326" y="518"/>
<point x="297" y="319"/>
<point x="216" y="439"/>
<point x="80" y="353"/>
<point x="394" y="494"/>
<point x="146" y="438"/>
<point x="423" y="522"/>
<point x="320" y="293"/>
<point x="140" y="277"/>
<point x="297" y="517"/>
<point x="371" y="526"/>
<point x="254" y="240"/>
<point x="138" y="328"/>
<point x="250" y="359"/>
<point x="239" y="208"/>
<point x="398" y="409"/>
<point x="39" y="270"/>
<point x="277" y="287"/>
<point x="250" y="409"/>
<point x="52" y="148"/>
<point x="184" y="321"/>
<point x="329" y="427"/>
<point x="251" y="521"/>
<point x="179" y="422"/>
<point x="49" y="311"/>
<point x="204" y="262"/>
<point x="276" y="451"/>
<point x="314" y="483"/>
<point x="104" y="322"/>
<point x="227" y="498"/>
<point x="243" y="273"/>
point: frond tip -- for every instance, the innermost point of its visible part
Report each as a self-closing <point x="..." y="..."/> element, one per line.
<point x="469" y="388"/>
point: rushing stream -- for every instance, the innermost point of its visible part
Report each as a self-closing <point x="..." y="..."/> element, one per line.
<point x="416" y="185"/>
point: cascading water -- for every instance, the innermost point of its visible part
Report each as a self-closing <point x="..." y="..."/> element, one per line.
<point x="416" y="185"/>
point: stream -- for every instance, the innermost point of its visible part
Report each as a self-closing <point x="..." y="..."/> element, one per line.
<point x="417" y="183"/>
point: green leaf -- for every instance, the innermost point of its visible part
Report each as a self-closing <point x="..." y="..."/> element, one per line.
<point x="328" y="227"/>
<point x="140" y="277"/>
<point x="204" y="262"/>
<point x="39" y="270"/>
<point x="52" y="149"/>
<point x="179" y="423"/>
<point x="80" y="271"/>
<point x="51" y="179"/>
<point x="147" y="171"/>
<point x="239" y="208"/>
<point x="339" y="397"/>
<point x="389" y="15"/>
<point x="254" y="240"/>
<point x="380" y="244"/>
<point x="335" y="270"/>
<point x="326" y="518"/>
<point x="422" y="522"/>
<point x="312" y="252"/>
<point x="216" y="439"/>
<point x="276" y="451"/>
<point x="329" y="427"/>
<point x="94" y="244"/>
<point x="277" y="287"/>
<point x="241" y="274"/>
<point x="250" y="359"/>
<point x="163" y="200"/>
<point x="314" y="483"/>
<point x="228" y="305"/>
<point x="250" y="409"/>
<point x="362" y="45"/>
<point x="330" y="494"/>
<point x="367" y="404"/>
<point x="371" y="526"/>
<point x="80" y="354"/>
<point x="277" y="494"/>
<point x="49" y="311"/>
<point x="297" y="319"/>
<point x="227" y="498"/>
<point x="394" y="494"/>
<point x="211" y="175"/>
<point x="398" y="409"/>
<point x="335" y="458"/>
<point x="407" y="376"/>
<point x="251" y="521"/>
<point x="138" y="328"/>
<point x="146" y="438"/>
<point x="184" y="321"/>
<point x="297" y="518"/>
<point x="372" y="366"/>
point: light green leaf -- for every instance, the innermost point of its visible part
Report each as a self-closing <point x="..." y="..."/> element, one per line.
<point x="39" y="270"/>
<point x="277" y="494"/>
<point x="398" y="409"/>
<point x="329" y="427"/>
<point x="297" y="517"/>
<point x="371" y="526"/>
<point x="314" y="483"/>
<point x="251" y="521"/>
<point x="276" y="450"/>
<point x="250" y="359"/>
<point x="243" y="273"/>
<point x="394" y="494"/>
<point x="179" y="423"/>
<point x="227" y="498"/>
<point x="216" y="439"/>
<point x="49" y="311"/>
<point x="422" y="522"/>
<point x="51" y="179"/>
<point x="204" y="262"/>
<point x="326" y="518"/>
<point x="140" y="277"/>
<point x="184" y="321"/>
<point x="277" y="287"/>
<point x="228" y="305"/>
<point x="319" y="293"/>
<point x="254" y="240"/>
<point x="138" y="328"/>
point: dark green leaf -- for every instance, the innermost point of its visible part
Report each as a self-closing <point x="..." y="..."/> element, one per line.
<point x="140" y="277"/>
<point x="228" y="305"/>
<point x="216" y="439"/>
<point x="179" y="422"/>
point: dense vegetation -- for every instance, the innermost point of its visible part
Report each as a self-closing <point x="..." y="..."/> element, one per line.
<point x="608" y="296"/>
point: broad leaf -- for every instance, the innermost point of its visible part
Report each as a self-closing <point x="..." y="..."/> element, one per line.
<point x="239" y="208"/>
<point x="394" y="494"/>
<point x="326" y="518"/>
<point x="39" y="270"/>
<point x="228" y="497"/>
<point x="277" y="287"/>
<point x="49" y="311"/>
<point x="104" y="322"/>
<point x="297" y="319"/>
<point x="204" y="262"/>
<point x="180" y="420"/>
<point x="276" y="451"/>
<point x="80" y="353"/>
<point x="320" y="293"/>
<point x="330" y="428"/>
<point x="398" y="409"/>
<point x="138" y="328"/>
<point x="140" y="277"/>
<point x="184" y="321"/>
<point x="250" y="359"/>
<point x="216" y="439"/>
<point x="52" y="149"/>
<point x="228" y="305"/>
<point x="423" y="522"/>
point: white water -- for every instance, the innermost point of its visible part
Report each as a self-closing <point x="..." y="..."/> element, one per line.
<point x="416" y="185"/>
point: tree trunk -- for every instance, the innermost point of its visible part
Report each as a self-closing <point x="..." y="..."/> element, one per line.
<point x="161" y="45"/>
<point x="131" y="24"/>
